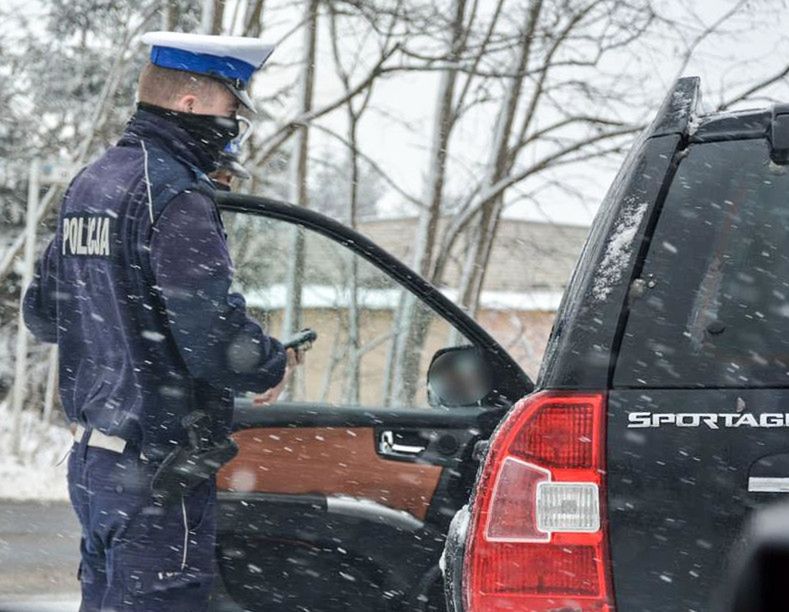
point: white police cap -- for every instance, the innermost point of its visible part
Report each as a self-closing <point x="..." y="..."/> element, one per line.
<point x="230" y="59"/>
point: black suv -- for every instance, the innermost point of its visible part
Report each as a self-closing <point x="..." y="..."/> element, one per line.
<point x="660" y="416"/>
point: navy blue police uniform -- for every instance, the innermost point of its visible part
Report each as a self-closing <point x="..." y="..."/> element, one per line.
<point x="135" y="290"/>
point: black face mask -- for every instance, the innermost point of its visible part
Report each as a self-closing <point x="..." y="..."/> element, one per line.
<point x="214" y="132"/>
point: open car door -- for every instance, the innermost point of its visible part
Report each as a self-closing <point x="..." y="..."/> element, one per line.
<point x="343" y="490"/>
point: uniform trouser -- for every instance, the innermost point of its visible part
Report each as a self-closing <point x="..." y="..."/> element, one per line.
<point x="136" y="553"/>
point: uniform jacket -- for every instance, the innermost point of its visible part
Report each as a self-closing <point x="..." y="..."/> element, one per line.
<point x="134" y="289"/>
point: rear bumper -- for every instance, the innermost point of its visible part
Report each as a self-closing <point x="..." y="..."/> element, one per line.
<point x="452" y="559"/>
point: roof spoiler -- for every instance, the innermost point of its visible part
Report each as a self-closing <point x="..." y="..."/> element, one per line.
<point x="678" y="108"/>
<point x="779" y="134"/>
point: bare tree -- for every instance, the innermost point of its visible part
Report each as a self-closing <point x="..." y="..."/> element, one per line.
<point x="299" y="175"/>
<point x="406" y="350"/>
<point x="213" y="14"/>
<point x="354" y="112"/>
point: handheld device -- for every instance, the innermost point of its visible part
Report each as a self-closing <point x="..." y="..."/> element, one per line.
<point x="303" y="340"/>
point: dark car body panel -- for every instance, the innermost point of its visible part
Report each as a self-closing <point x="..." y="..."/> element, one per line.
<point x="677" y="497"/>
<point x="704" y="347"/>
<point x="582" y="347"/>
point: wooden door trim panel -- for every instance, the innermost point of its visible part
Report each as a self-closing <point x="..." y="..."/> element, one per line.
<point x="327" y="461"/>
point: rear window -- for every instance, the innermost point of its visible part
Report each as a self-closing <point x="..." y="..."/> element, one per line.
<point x="714" y="309"/>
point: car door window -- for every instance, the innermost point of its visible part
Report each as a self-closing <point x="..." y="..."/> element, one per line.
<point x="375" y="339"/>
<point x="716" y="278"/>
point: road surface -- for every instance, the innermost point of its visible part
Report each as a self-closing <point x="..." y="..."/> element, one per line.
<point x="39" y="553"/>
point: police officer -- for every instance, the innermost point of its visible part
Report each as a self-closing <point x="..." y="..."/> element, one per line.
<point x="134" y="289"/>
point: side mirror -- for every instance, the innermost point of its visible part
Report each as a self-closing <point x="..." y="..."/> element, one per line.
<point x="458" y="376"/>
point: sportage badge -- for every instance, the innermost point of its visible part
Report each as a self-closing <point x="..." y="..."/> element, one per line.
<point x="712" y="420"/>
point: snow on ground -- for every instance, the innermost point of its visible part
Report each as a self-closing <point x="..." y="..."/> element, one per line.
<point x="34" y="474"/>
<point x="41" y="605"/>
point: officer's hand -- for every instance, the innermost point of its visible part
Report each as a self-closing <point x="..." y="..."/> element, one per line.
<point x="295" y="358"/>
<point x="268" y="397"/>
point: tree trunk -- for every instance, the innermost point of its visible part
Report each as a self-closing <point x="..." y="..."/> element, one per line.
<point x="354" y="336"/>
<point x="499" y="165"/>
<point x="170" y="15"/>
<point x="207" y="16"/>
<point x="253" y="21"/>
<point x="443" y="122"/>
<point x="299" y="163"/>
<point x="413" y="321"/>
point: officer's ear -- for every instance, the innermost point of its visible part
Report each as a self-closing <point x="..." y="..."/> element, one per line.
<point x="186" y="104"/>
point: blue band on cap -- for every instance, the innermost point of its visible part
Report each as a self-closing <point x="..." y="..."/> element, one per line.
<point x="201" y="63"/>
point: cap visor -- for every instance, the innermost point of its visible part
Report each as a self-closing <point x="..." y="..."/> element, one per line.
<point x="243" y="97"/>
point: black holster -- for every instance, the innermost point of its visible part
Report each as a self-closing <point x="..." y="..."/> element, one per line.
<point x="186" y="467"/>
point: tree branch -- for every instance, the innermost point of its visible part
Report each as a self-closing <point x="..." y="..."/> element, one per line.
<point x="274" y="141"/>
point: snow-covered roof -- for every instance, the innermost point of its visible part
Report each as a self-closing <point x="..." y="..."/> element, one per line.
<point x="330" y="297"/>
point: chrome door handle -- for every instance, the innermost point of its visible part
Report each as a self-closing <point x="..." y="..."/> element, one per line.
<point x="388" y="446"/>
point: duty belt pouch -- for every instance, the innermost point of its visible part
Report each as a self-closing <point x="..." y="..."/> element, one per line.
<point x="185" y="468"/>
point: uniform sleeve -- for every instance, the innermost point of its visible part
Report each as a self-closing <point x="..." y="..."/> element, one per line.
<point x="218" y="341"/>
<point x="40" y="307"/>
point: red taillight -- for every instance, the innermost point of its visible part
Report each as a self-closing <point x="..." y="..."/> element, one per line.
<point x="538" y="541"/>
